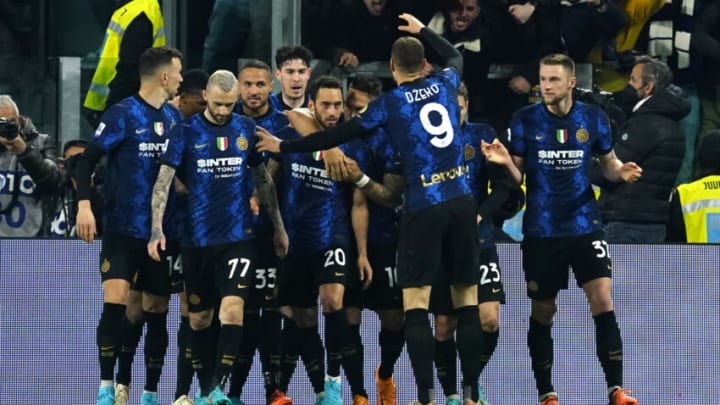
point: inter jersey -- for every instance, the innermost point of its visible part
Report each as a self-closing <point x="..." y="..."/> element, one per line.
<point x="558" y="152"/>
<point x="478" y="176"/>
<point x="134" y="135"/>
<point x="382" y="222"/>
<point x="316" y="209"/>
<point x="277" y="102"/>
<point x="273" y="120"/>
<point x="422" y="118"/>
<point x="214" y="162"/>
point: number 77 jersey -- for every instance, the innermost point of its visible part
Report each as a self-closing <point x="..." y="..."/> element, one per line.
<point x="422" y="120"/>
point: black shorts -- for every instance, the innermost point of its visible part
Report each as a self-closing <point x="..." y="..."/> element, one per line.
<point x="384" y="292"/>
<point x="214" y="272"/>
<point x="262" y="293"/>
<point x="546" y="262"/>
<point x="445" y="234"/>
<point x="301" y="275"/>
<point x="122" y="257"/>
<point x="490" y="287"/>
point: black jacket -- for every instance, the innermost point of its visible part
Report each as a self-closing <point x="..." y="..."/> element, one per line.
<point x="653" y="138"/>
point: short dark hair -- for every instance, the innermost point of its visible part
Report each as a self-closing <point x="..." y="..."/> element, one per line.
<point x="367" y="83"/>
<point x="559" y="59"/>
<point x="463" y="91"/>
<point x="194" y="81"/>
<point x="256" y="64"/>
<point x="324" y="82"/>
<point x="73" y="143"/>
<point x="290" y="52"/>
<point x="408" y="53"/>
<point x="708" y="150"/>
<point x="655" y="71"/>
<point x="153" y="58"/>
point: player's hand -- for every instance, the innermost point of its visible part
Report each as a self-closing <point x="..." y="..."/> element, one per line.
<point x="85" y="222"/>
<point x="281" y="242"/>
<point x="348" y="59"/>
<point x="353" y="170"/>
<point x="413" y="24"/>
<point x="335" y="164"/>
<point x="156" y="238"/>
<point x="267" y="142"/>
<point x="630" y="172"/>
<point x="521" y="12"/>
<point x="496" y="152"/>
<point x="365" y="271"/>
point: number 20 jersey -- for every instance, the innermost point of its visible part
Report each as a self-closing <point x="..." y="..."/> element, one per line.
<point x="422" y="119"/>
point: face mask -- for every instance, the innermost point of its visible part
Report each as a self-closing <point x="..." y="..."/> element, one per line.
<point x="627" y="98"/>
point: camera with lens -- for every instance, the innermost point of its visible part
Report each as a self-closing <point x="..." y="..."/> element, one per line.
<point x="8" y="129"/>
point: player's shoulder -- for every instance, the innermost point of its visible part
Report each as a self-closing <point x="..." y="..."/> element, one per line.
<point x="476" y="131"/>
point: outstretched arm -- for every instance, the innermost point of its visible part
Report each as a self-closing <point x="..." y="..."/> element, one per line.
<point x="158" y="204"/>
<point x="450" y="56"/>
<point x="615" y="170"/>
<point x="304" y="123"/>
<point x="496" y="152"/>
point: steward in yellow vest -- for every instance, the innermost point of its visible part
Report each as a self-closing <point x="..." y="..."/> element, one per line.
<point x="695" y="207"/>
<point x="133" y="27"/>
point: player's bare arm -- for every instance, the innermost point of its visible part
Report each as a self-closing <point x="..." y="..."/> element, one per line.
<point x="497" y="153"/>
<point x="360" y="218"/>
<point x="267" y="142"/>
<point x="387" y="193"/>
<point x="615" y="170"/>
<point x="160" y="192"/>
<point x="305" y="124"/>
<point x="268" y="198"/>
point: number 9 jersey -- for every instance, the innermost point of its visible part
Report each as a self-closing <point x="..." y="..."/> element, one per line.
<point x="430" y="148"/>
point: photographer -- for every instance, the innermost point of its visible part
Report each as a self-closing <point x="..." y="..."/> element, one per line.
<point x="28" y="173"/>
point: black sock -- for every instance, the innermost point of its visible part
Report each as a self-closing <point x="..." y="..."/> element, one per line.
<point x="131" y="334"/>
<point x="156" y="344"/>
<point x="469" y="345"/>
<point x="446" y="365"/>
<point x="229" y="343"/>
<point x="313" y="355"/>
<point x="352" y="361"/>
<point x="269" y="348"/>
<point x="184" y="359"/>
<point x="243" y="363"/>
<point x="490" y="340"/>
<point x="609" y="347"/>
<point x="336" y="338"/>
<point x="204" y="347"/>
<point x="420" y="347"/>
<point x="290" y="344"/>
<point x="391" y="344"/>
<point x="540" y="343"/>
<point x="108" y="338"/>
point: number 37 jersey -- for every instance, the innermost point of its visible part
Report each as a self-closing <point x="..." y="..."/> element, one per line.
<point x="422" y="119"/>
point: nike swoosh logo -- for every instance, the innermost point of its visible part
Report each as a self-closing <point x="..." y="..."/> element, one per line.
<point x="176" y="283"/>
<point x="339" y="274"/>
<point x="103" y="348"/>
<point x="140" y="131"/>
<point x="200" y="146"/>
<point x="240" y="286"/>
<point x="495" y="290"/>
